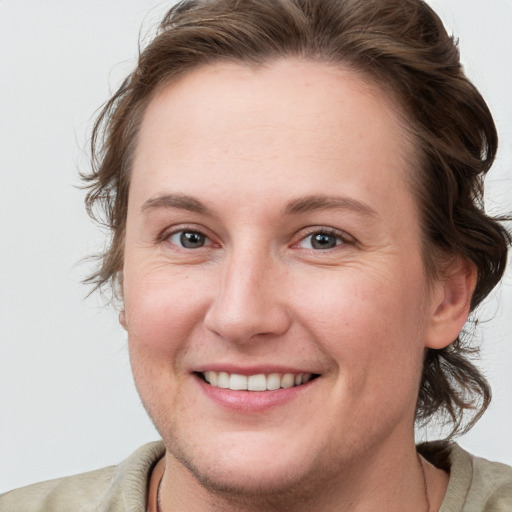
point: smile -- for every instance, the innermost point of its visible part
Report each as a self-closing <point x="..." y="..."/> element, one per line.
<point x="259" y="382"/>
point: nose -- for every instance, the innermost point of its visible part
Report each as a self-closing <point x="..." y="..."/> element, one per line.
<point x="250" y="300"/>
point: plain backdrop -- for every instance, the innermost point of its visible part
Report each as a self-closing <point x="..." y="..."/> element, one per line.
<point x="67" y="400"/>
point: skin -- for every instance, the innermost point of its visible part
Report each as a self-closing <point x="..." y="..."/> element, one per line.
<point x="246" y="144"/>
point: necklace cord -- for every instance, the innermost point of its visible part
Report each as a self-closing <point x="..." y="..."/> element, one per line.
<point x="425" y="485"/>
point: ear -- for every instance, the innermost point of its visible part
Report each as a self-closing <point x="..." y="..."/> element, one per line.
<point x="451" y="301"/>
<point x="119" y="284"/>
<point x="122" y="319"/>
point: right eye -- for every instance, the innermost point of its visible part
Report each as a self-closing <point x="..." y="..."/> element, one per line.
<point x="188" y="239"/>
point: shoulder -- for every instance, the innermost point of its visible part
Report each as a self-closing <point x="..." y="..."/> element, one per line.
<point x="121" y="487"/>
<point x="491" y="485"/>
<point x="476" y="484"/>
<point x="69" y="493"/>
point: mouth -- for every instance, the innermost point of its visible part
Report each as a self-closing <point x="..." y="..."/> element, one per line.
<point x="257" y="382"/>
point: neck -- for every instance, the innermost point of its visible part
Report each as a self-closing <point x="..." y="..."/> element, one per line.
<point x="370" y="483"/>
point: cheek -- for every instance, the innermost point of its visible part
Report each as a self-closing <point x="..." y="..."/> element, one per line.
<point x="364" y="319"/>
<point x="163" y="308"/>
<point x="162" y="312"/>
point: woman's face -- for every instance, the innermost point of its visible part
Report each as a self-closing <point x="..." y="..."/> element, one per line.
<point x="272" y="241"/>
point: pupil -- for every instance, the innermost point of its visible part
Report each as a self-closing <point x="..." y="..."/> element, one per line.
<point x="191" y="240"/>
<point x="323" y="241"/>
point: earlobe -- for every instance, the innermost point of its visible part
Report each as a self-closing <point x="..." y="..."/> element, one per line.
<point x="451" y="302"/>
<point x="119" y="283"/>
<point x="122" y="319"/>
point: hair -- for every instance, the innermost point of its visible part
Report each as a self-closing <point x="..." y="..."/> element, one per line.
<point x="402" y="46"/>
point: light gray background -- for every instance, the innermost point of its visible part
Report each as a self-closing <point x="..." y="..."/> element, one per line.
<point x="67" y="401"/>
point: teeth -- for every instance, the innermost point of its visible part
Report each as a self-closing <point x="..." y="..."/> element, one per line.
<point x="237" y="381"/>
<point x="273" y="381"/>
<point x="222" y="380"/>
<point x="214" y="378"/>
<point x="288" y="380"/>
<point x="259" y="382"/>
<point x="306" y="378"/>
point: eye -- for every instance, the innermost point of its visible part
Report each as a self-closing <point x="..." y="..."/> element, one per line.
<point x="322" y="240"/>
<point x="188" y="239"/>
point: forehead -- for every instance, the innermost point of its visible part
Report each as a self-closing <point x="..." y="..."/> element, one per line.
<point x="275" y="124"/>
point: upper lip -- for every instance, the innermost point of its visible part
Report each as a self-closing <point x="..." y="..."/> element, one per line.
<point x="252" y="370"/>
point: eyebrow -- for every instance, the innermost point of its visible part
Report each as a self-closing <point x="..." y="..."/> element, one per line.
<point x="295" y="206"/>
<point x="179" y="201"/>
<point x="321" y="202"/>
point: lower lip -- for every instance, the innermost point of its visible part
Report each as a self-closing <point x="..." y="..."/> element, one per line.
<point x="251" y="401"/>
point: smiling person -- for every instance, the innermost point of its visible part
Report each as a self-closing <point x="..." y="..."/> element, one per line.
<point x="294" y="190"/>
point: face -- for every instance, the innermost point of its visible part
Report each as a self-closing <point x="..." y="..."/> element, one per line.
<point x="275" y="296"/>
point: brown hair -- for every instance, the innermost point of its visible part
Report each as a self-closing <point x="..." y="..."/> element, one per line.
<point x="400" y="44"/>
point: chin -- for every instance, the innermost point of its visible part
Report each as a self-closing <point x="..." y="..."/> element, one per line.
<point x="245" y="472"/>
<point x="271" y="488"/>
<point x="246" y="482"/>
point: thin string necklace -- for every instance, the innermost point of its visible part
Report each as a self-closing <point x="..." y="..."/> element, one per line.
<point x="425" y="487"/>
<point x="158" y="506"/>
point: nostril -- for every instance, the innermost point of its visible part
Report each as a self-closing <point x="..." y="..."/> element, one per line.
<point x="246" y="303"/>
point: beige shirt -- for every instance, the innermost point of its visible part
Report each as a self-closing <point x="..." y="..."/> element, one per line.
<point x="476" y="485"/>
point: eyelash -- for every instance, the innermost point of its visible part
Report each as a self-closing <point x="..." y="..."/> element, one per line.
<point x="166" y="236"/>
<point x="341" y="238"/>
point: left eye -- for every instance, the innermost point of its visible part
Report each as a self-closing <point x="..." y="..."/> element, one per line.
<point x="188" y="239"/>
<point x="321" y="241"/>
